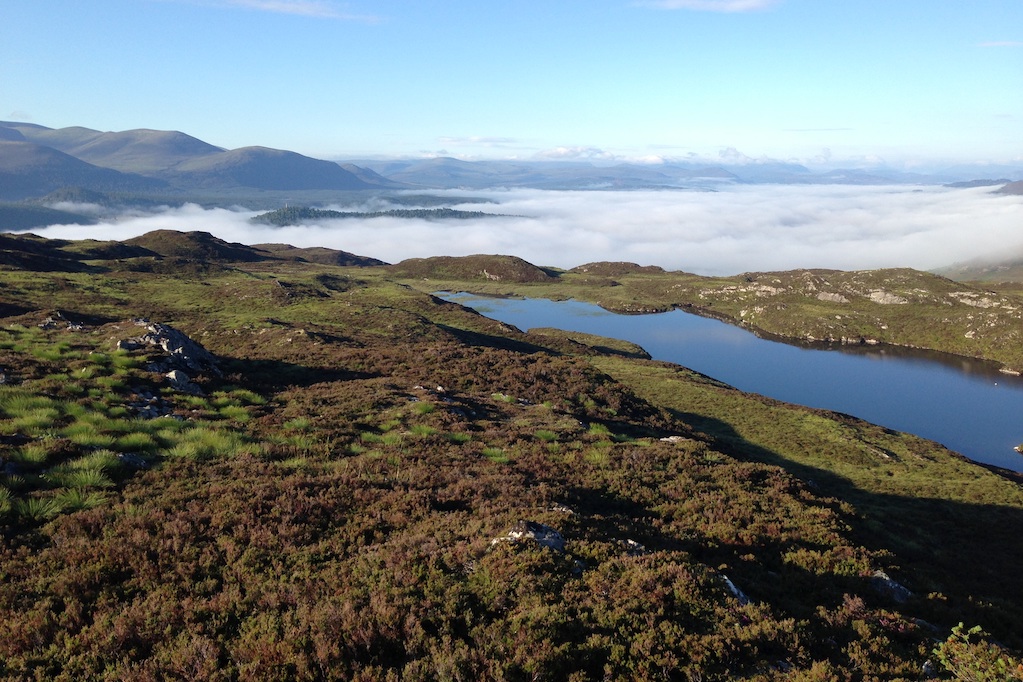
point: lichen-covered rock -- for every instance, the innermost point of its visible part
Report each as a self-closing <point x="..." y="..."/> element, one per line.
<point x="736" y="592"/>
<point x="884" y="584"/>
<point x="183" y="353"/>
<point x="531" y="531"/>
<point x="886" y="298"/>
<point x="180" y="381"/>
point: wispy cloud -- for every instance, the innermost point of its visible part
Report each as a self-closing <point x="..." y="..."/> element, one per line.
<point x="315" y="9"/>
<point x="575" y="153"/>
<point x="816" y="130"/>
<point x="713" y="5"/>
<point x="1002" y="43"/>
<point x="479" y="140"/>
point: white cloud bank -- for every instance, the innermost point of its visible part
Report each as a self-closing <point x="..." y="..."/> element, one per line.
<point x="739" y="229"/>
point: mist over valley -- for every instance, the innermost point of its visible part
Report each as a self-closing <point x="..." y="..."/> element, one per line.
<point x="738" y="229"/>
<point x="746" y="215"/>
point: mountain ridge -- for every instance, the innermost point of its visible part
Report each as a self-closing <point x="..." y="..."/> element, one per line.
<point x="168" y="159"/>
<point x="190" y="164"/>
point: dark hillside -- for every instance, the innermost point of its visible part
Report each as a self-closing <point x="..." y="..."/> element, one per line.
<point x="262" y="168"/>
<point x="62" y="139"/>
<point x="188" y="163"/>
<point x="23" y="217"/>
<point x="371" y="177"/>
<point x="141" y="151"/>
<point x="318" y="254"/>
<point x="201" y="246"/>
<point x="297" y="215"/>
<point x="131" y="151"/>
<point x="29" y="170"/>
<point x="471" y="268"/>
<point x="1012" y="188"/>
<point x="615" y="269"/>
<point x="31" y="252"/>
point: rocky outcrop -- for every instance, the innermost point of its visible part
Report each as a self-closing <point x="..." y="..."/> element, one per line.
<point x="884" y="584"/>
<point x="57" y="320"/>
<point x="180" y="381"/>
<point x="736" y="592"/>
<point x="146" y="404"/>
<point x="531" y="531"/>
<point x="886" y="298"/>
<point x="182" y="353"/>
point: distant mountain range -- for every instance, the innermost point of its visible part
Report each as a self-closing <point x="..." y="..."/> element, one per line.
<point x="36" y="161"/>
<point x="446" y="172"/>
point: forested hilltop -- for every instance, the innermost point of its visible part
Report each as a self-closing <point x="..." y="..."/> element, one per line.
<point x="221" y="462"/>
<point x="296" y="215"/>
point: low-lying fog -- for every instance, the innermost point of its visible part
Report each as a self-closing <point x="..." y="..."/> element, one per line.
<point x="737" y="229"/>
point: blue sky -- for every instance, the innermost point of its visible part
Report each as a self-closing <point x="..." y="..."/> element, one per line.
<point x="905" y="82"/>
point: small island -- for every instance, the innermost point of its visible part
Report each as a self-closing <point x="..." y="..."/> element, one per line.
<point x="296" y="215"/>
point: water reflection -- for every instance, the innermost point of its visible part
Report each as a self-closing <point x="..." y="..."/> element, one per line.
<point x="965" y="404"/>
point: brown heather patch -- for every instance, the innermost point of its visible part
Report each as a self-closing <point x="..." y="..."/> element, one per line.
<point x="388" y="438"/>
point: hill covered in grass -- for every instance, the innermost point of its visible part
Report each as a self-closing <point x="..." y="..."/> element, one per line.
<point x="291" y="470"/>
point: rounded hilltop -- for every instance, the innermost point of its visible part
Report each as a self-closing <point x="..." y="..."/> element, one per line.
<point x="473" y="268"/>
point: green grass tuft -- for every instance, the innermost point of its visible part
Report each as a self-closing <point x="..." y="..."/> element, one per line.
<point x="76" y="499"/>
<point x="496" y="455"/>
<point x="36" y="509"/>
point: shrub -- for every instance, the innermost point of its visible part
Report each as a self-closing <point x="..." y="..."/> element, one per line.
<point x="969" y="657"/>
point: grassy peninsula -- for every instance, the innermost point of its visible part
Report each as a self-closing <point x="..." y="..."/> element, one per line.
<point x="226" y="463"/>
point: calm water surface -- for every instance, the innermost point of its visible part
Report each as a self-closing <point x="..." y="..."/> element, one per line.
<point x="966" y="405"/>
